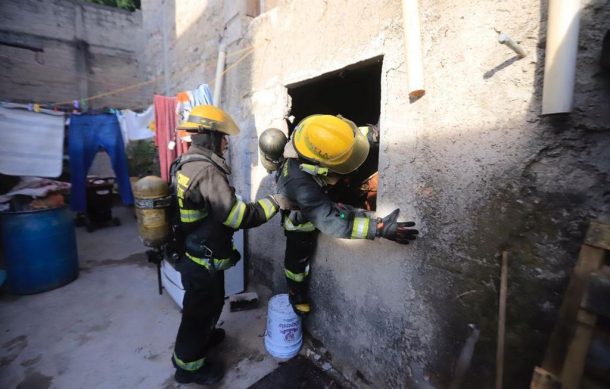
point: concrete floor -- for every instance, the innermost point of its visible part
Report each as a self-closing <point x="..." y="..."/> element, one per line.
<point x="111" y="329"/>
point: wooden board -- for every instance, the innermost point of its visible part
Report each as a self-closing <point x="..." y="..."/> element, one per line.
<point x="585" y="298"/>
<point x="598" y="235"/>
<point x="596" y="298"/>
<point x="589" y="260"/>
<point x="576" y="356"/>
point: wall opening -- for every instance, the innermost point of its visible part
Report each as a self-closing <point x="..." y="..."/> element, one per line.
<point x="355" y="93"/>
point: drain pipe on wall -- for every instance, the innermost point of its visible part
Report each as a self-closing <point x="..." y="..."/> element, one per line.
<point x="220" y="67"/>
<point x="411" y="28"/>
<point x="561" y="51"/>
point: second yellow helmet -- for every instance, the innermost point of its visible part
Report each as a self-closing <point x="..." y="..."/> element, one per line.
<point x="211" y="118"/>
<point x="331" y="141"/>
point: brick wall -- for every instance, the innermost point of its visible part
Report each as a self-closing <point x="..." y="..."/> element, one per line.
<point x="79" y="50"/>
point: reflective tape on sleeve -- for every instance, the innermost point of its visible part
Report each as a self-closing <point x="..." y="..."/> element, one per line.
<point x="236" y="215"/>
<point x="361" y="228"/>
<point x="268" y="207"/>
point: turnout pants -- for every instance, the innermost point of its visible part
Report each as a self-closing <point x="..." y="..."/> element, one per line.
<point x="300" y="247"/>
<point x="201" y="308"/>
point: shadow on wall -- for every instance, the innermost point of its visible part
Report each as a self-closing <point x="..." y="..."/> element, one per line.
<point x="538" y="212"/>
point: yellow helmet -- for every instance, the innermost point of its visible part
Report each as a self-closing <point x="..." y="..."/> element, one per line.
<point x="332" y="141"/>
<point x="211" y="118"/>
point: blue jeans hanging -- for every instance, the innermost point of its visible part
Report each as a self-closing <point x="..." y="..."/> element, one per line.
<point x="87" y="134"/>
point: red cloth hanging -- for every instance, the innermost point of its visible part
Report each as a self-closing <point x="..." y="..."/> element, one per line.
<point x="165" y="122"/>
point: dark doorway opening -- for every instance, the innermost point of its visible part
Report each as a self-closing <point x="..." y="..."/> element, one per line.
<point x="353" y="92"/>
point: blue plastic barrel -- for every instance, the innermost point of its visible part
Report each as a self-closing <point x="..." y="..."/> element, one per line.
<point x="39" y="249"/>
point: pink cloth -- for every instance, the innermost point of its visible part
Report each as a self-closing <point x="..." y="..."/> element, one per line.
<point x="165" y="123"/>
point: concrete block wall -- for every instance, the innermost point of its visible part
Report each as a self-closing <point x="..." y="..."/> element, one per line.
<point x="89" y="49"/>
<point x="472" y="162"/>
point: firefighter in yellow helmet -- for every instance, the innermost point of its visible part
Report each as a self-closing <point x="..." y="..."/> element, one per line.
<point x="209" y="214"/>
<point x="323" y="148"/>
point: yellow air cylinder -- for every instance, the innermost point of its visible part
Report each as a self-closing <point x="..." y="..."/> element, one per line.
<point x="152" y="198"/>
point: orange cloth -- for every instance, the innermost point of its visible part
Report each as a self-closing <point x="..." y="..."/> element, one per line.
<point x="52" y="200"/>
<point x="369" y="187"/>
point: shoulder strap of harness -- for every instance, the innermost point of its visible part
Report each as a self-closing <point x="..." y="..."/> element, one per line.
<point x="181" y="161"/>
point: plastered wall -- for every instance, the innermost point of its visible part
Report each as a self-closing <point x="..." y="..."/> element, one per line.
<point x="472" y="162"/>
<point x="87" y="50"/>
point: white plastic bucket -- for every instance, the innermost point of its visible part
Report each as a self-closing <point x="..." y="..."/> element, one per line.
<point x="283" y="336"/>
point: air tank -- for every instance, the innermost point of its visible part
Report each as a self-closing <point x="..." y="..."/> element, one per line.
<point x="152" y="200"/>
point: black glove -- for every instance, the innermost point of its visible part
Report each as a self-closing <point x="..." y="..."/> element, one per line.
<point x="390" y="229"/>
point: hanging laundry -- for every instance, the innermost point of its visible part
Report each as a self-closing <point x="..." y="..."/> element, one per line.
<point x="87" y="134"/>
<point x="183" y="105"/>
<point x="136" y="125"/>
<point x="32" y="143"/>
<point x="188" y="99"/>
<point x="202" y="95"/>
<point x="122" y="125"/>
<point x="168" y="143"/>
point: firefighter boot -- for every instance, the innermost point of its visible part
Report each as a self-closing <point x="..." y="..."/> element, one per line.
<point x="300" y="304"/>
<point x="210" y="373"/>
<point x="216" y="337"/>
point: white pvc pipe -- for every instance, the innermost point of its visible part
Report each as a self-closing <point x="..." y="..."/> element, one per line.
<point x="220" y="67"/>
<point x="415" y="69"/>
<point x="561" y="51"/>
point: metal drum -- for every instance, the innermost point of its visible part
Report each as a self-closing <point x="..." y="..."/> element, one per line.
<point x="39" y="249"/>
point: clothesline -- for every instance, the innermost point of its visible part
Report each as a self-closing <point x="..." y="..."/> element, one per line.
<point x="248" y="51"/>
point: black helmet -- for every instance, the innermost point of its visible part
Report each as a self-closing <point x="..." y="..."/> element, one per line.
<point x="271" y="143"/>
